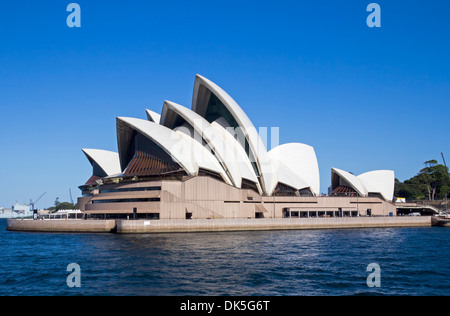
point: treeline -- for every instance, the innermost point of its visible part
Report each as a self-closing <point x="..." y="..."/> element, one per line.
<point x="62" y="206"/>
<point x="431" y="183"/>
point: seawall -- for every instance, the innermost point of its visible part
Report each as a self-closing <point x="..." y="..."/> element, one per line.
<point x="62" y="226"/>
<point x="211" y="225"/>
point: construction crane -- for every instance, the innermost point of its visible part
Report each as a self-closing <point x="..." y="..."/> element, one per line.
<point x="448" y="174"/>
<point x="32" y="205"/>
<point x="37" y="200"/>
<point x="446" y="169"/>
<point x="71" y="199"/>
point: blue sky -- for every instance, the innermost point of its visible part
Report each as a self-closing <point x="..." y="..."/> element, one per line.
<point x="364" y="98"/>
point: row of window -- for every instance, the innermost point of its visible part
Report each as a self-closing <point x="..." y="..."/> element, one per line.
<point x="340" y="213"/>
<point x="158" y="188"/>
<point x="126" y="200"/>
<point x="128" y="216"/>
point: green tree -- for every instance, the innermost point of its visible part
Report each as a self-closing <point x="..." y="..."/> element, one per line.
<point x="445" y="192"/>
<point x="431" y="182"/>
<point x="428" y="177"/>
<point x="63" y="206"/>
<point x="409" y="190"/>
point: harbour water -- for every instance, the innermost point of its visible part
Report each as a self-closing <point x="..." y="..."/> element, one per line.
<point x="413" y="261"/>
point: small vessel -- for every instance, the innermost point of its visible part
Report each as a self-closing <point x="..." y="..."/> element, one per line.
<point x="440" y="221"/>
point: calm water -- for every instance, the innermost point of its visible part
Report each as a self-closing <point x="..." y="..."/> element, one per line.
<point x="413" y="261"/>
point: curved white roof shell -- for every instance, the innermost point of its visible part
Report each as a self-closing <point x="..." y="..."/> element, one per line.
<point x="108" y="161"/>
<point x="379" y="181"/>
<point x="171" y="142"/>
<point x="220" y="146"/>
<point x="258" y="151"/>
<point x="203" y="157"/>
<point x="153" y="116"/>
<point x="301" y="160"/>
<point x="351" y="180"/>
<point x="239" y="155"/>
<point x="286" y="176"/>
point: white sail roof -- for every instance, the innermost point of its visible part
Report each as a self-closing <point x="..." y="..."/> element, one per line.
<point x="153" y="116"/>
<point x="108" y="161"/>
<point x="300" y="159"/>
<point x="218" y="136"/>
<point x="379" y="181"/>
<point x="351" y="180"/>
<point x="203" y="157"/>
<point x="239" y="155"/>
<point x="258" y="151"/>
<point x="171" y="142"/>
<point x="286" y="176"/>
<point x="218" y="144"/>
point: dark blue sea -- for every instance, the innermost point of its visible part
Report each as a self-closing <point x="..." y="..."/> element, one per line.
<point x="412" y="261"/>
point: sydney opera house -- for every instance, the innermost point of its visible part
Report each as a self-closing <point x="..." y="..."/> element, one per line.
<point x="210" y="162"/>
